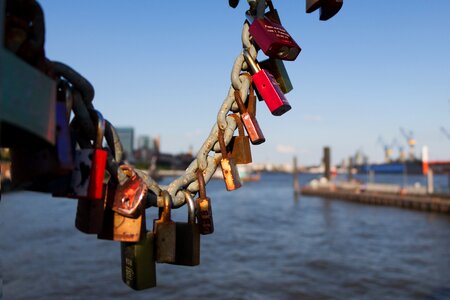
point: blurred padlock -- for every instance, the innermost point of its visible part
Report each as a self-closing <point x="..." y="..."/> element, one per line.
<point x="130" y="195"/>
<point x="251" y="124"/>
<point x="267" y="87"/>
<point x="188" y="237"/>
<point x="240" y="145"/>
<point x="328" y="8"/>
<point x="165" y="232"/>
<point x="89" y="217"/>
<point x="90" y="165"/>
<point x="278" y="70"/>
<point x="229" y="169"/>
<point x="204" y="209"/>
<point x="138" y="262"/>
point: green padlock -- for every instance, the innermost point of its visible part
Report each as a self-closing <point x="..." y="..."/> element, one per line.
<point x="138" y="262"/>
<point x="278" y="70"/>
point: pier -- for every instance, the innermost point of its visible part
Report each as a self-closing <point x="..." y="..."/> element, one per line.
<point x="381" y="194"/>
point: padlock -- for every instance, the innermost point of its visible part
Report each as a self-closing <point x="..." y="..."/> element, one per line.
<point x="251" y="124"/>
<point x="267" y="87"/>
<point x="188" y="237"/>
<point x="138" y="262"/>
<point x="272" y="14"/>
<point x="251" y="99"/>
<point x="278" y="70"/>
<point x="328" y="8"/>
<point x="117" y="227"/>
<point x="89" y="217"/>
<point x="64" y="145"/>
<point x="204" y="209"/>
<point x="90" y="164"/>
<point x="240" y="145"/>
<point x="229" y="169"/>
<point x="165" y="233"/>
<point x="273" y="38"/>
<point x="130" y="195"/>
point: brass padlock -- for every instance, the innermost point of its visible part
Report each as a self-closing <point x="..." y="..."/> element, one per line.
<point x="117" y="227"/>
<point x="188" y="237"/>
<point x="240" y="145"/>
<point x="89" y="218"/>
<point x="278" y="70"/>
<point x="138" y="262"/>
<point x="204" y="209"/>
<point x="165" y="232"/>
<point x="229" y="169"/>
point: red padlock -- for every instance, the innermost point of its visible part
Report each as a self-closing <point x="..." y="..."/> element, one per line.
<point x="89" y="168"/>
<point x="267" y="87"/>
<point x="99" y="157"/>
<point x="273" y="39"/>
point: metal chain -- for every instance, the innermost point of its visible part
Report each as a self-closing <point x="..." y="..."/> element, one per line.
<point x="84" y="126"/>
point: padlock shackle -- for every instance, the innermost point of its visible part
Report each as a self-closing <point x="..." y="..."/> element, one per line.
<point x="252" y="63"/>
<point x="191" y="207"/>
<point x="223" y="146"/>
<point x="165" y="215"/>
<point x="100" y="133"/>
<point x="239" y="102"/>
<point x="239" y="124"/>
<point x="201" y="184"/>
<point x="251" y="100"/>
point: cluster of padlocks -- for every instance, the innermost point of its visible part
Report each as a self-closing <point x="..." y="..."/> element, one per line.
<point x="112" y="195"/>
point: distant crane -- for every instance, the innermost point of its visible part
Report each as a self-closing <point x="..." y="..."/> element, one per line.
<point x="409" y="136"/>
<point x="401" y="151"/>
<point x="387" y="149"/>
<point x="445" y="132"/>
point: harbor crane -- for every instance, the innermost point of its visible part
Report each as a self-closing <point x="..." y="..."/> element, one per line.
<point x="386" y="147"/>
<point x="409" y="136"/>
<point x="401" y="151"/>
<point x="445" y="132"/>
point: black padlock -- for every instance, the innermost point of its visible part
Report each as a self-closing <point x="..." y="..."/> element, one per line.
<point x="188" y="237"/>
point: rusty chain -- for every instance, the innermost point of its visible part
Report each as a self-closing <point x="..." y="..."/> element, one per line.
<point x="83" y="121"/>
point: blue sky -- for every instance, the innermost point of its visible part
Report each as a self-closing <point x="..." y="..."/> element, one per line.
<point x="163" y="67"/>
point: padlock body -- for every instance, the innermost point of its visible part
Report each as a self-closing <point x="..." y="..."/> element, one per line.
<point x="63" y="139"/>
<point x="165" y="240"/>
<point x="329" y="9"/>
<point x="204" y="215"/>
<point x="240" y="149"/>
<point x="230" y="174"/>
<point x="128" y="229"/>
<point x="129" y="197"/>
<point x="253" y="129"/>
<point x="269" y="90"/>
<point x="274" y="40"/>
<point x="89" y="217"/>
<point x="138" y="263"/>
<point x="188" y="244"/>
<point x="278" y="70"/>
<point x="81" y="173"/>
<point x="95" y="189"/>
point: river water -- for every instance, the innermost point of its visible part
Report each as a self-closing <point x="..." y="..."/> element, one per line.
<point x="266" y="245"/>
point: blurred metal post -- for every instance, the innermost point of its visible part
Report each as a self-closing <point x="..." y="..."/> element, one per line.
<point x="327" y="161"/>
<point x="430" y="183"/>
<point x="349" y="169"/>
<point x="295" y="178"/>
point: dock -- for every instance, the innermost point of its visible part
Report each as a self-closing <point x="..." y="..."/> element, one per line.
<point x="381" y="194"/>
